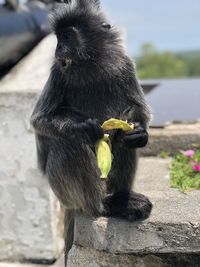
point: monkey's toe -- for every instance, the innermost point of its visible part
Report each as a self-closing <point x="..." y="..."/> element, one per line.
<point x="127" y="205"/>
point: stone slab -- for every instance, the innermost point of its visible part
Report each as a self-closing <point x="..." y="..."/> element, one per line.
<point x="174" y="226"/>
<point x="85" y="257"/>
<point x="170" y="205"/>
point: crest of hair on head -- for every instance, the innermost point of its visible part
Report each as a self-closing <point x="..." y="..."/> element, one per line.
<point x="71" y="8"/>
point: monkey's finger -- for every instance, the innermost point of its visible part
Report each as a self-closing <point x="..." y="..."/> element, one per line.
<point x="136" y="131"/>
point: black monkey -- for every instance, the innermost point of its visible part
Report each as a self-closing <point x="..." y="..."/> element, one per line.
<point x="91" y="81"/>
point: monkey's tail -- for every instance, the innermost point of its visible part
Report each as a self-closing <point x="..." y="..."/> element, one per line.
<point x="69" y="231"/>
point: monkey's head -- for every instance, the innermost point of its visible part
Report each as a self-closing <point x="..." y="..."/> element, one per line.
<point x="83" y="33"/>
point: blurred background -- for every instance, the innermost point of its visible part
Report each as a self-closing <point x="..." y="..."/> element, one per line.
<point x="162" y="36"/>
<point x="162" y="39"/>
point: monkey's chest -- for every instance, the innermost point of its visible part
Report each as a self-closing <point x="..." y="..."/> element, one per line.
<point x="101" y="104"/>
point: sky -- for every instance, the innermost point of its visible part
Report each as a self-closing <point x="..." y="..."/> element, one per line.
<point x="170" y="25"/>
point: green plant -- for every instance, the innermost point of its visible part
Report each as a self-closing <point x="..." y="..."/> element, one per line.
<point x="164" y="154"/>
<point x="185" y="170"/>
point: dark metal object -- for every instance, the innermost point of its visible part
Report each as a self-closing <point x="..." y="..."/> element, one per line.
<point x="21" y="28"/>
<point x="173" y="101"/>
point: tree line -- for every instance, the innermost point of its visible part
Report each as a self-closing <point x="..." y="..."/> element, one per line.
<point x="155" y="64"/>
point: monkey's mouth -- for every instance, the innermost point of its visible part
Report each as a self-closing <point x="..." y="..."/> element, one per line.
<point x="66" y="62"/>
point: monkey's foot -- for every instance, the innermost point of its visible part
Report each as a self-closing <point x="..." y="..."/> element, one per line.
<point x="127" y="205"/>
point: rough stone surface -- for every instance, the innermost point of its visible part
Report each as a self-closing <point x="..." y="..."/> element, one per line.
<point x="58" y="263"/>
<point x="28" y="228"/>
<point x="170" y="205"/>
<point x="173" y="227"/>
<point x="85" y="257"/>
<point x="172" y="138"/>
<point x="29" y="213"/>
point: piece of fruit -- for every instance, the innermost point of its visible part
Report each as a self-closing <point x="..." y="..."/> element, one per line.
<point x="117" y="124"/>
<point x="104" y="156"/>
<point x="103" y="147"/>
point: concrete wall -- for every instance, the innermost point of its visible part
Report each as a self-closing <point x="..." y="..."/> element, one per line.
<point x="29" y="213"/>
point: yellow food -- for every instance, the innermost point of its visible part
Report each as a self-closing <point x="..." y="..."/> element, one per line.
<point x="103" y="147"/>
<point x="104" y="156"/>
<point x="117" y="124"/>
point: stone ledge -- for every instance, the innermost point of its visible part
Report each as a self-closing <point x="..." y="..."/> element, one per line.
<point x="172" y="138"/>
<point x="120" y="237"/>
<point x="85" y="257"/>
<point x="172" y="233"/>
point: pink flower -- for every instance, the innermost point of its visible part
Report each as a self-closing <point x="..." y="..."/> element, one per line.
<point x="189" y="153"/>
<point x="196" y="167"/>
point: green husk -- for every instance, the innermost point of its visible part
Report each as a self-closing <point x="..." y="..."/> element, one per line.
<point x="104" y="148"/>
<point x="104" y="156"/>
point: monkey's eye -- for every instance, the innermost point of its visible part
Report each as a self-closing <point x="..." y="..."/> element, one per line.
<point x="106" y="26"/>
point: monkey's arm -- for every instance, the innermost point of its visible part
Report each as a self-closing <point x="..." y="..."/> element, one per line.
<point x="139" y="114"/>
<point x="138" y="111"/>
<point x="69" y="125"/>
<point x="53" y="118"/>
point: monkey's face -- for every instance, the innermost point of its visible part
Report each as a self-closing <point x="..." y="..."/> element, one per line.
<point x="68" y="42"/>
<point x="82" y="35"/>
<point x="77" y="43"/>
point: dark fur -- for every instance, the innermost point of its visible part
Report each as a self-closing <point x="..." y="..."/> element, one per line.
<point x="96" y="82"/>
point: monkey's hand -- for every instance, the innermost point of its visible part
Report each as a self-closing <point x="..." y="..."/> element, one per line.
<point x="136" y="138"/>
<point x="92" y="130"/>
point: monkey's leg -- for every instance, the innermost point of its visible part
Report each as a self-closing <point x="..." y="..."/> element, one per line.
<point x="74" y="176"/>
<point x="122" y="201"/>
